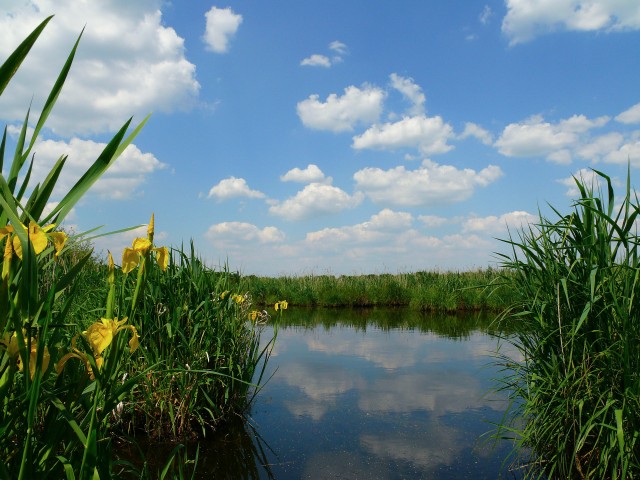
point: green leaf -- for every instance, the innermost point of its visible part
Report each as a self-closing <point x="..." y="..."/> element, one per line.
<point x="11" y="65"/>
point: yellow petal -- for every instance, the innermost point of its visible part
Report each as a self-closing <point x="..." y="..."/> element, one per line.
<point x="224" y="294"/>
<point x="33" y="357"/>
<point x="134" y="343"/>
<point x="283" y="304"/>
<point x="38" y="237"/>
<point x="151" y="227"/>
<point x="17" y="246"/>
<point x="141" y="245"/>
<point x="130" y="259"/>
<point x="6" y="259"/>
<point x="162" y="257"/>
<point x="59" y="239"/>
<point x="277" y="306"/>
<point x="99" y="335"/>
<point x="4" y="231"/>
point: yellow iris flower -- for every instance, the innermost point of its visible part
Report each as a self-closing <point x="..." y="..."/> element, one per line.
<point x="12" y="348"/>
<point x="38" y="236"/>
<point x="75" y="353"/>
<point x="99" y="336"/>
<point x="139" y="248"/>
<point x="281" y="305"/>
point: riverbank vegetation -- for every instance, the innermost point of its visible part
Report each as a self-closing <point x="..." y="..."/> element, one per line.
<point x="92" y="353"/>
<point x="576" y="388"/>
<point x="487" y="290"/>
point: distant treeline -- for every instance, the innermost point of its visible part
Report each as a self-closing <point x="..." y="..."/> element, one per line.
<point x="485" y="289"/>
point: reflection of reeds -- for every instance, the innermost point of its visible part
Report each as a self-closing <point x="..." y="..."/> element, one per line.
<point x="576" y="394"/>
<point x="437" y="291"/>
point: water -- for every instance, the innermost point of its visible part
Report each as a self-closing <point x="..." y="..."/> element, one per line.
<point x="376" y="394"/>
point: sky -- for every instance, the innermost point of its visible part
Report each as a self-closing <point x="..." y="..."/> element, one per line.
<point x="331" y="137"/>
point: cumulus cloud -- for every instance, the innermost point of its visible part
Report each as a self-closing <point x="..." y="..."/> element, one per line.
<point x="314" y="200"/>
<point x="497" y="224"/>
<point x="585" y="175"/>
<point x="221" y="25"/>
<point x="338" y="48"/>
<point x="228" y="234"/>
<point x="128" y="63"/>
<point x="381" y="225"/>
<point x="122" y="180"/>
<point x="429" y="185"/>
<point x="411" y="91"/>
<point x="476" y="131"/>
<point x="316" y="60"/>
<point x="535" y="137"/>
<point x="233" y="187"/>
<point x="311" y="174"/>
<point x="526" y="19"/>
<point x="339" y="114"/>
<point x="631" y="115"/>
<point x="429" y="134"/>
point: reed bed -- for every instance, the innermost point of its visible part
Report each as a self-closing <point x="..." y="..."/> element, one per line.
<point x="575" y="389"/>
<point x="485" y="289"/>
<point x="91" y="351"/>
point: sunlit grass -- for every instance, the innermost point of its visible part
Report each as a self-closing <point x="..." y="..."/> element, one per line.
<point x="576" y="386"/>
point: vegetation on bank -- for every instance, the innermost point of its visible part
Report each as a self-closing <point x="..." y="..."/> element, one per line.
<point x="575" y="389"/>
<point x="479" y="290"/>
<point x="90" y="351"/>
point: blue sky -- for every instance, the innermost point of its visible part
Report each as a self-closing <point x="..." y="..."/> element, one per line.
<point x="333" y="137"/>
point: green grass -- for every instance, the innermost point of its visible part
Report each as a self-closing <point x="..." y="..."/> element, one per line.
<point x="425" y="291"/>
<point x="576" y="386"/>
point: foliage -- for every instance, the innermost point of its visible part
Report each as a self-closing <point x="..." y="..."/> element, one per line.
<point x="76" y="356"/>
<point x="426" y="291"/>
<point x="576" y="388"/>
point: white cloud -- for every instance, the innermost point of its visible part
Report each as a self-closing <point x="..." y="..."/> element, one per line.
<point x="631" y="115"/>
<point x="628" y="152"/>
<point x="411" y="91"/>
<point x="527" y="19"/>
<point x="311" y="174"/>
<point x="535" y="137"/>
<point x="316" y="60"/>
<point x="233" y="187"/>
<point x="476" y="131"/>
<point x="120" y="181"/>
<point x="600" y="146"/>
<point x="486" y="14"/>
<point x="585" y="175"/>
<point x="429" y="134"/>
<point x="429" y="185"/>
<point x="229" y="234"/>
<point x="127" y="63"/>
<point x="338" y="114"/>
<point x="433" y="220"/>
<point x="221" y="25"/>
<point x="495" y="225"/>
<point x="382" y="226"/>
<point x="338" y="46"/>
<point x="315" y="199"/>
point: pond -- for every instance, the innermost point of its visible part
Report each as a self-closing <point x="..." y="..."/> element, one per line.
<point x="371" y="394"/>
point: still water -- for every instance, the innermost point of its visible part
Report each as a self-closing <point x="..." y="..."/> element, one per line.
<point x="369" y="394"/>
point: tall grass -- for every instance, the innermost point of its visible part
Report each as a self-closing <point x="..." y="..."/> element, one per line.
<point x="426" y="291"/>
<point x="576" y="388"/>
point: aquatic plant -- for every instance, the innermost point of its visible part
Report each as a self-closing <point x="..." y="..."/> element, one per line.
<point x="575" y="389"/>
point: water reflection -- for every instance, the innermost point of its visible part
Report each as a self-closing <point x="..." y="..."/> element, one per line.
<point x="371" y="394"/>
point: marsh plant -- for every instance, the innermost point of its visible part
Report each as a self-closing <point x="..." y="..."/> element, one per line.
<point x="87" y="346"/>
<point x="575" y="389"/>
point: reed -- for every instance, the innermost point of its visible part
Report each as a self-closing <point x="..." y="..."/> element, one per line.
<point x="575" y="389"/>
<point x="426" y="291"/>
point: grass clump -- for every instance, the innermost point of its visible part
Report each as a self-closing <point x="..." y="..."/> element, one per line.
<point x="576" y="387"/>
<point x="423" y="290"/>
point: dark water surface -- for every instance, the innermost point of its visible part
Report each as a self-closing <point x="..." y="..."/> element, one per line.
<point x="374" y="394"/>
